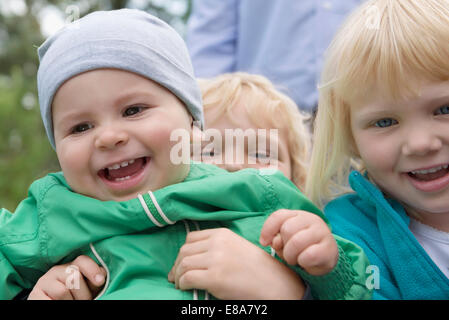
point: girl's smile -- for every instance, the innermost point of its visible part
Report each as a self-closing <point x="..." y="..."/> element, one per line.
<point x="433" y="179"/>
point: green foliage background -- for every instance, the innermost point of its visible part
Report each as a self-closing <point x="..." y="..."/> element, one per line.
<point x="25" y="153"/>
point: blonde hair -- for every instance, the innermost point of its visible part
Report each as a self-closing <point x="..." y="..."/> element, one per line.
<point x="384" y="45"/>
<point x="264" y="103"/>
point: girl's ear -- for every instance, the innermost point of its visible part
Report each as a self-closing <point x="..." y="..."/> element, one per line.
<point x="353" y="149"/>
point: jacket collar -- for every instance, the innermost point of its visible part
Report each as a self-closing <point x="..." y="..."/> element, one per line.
<point x="417" y="277"/>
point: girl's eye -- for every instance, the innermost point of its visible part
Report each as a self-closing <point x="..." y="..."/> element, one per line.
<point x="81" y="128"/>
<point x="384" y="123"/>
<point x="133" y="111"/>
<point x="260" y="155"/>
<point x="443" y="110"/>
<point x="208" y="153"/>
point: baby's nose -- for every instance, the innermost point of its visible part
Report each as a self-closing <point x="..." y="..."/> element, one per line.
<point x="110" y="138"/>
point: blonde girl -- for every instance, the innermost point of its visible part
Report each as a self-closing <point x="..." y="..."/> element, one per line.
<point x="249" y="101"/>
<point x="384" y="110"/>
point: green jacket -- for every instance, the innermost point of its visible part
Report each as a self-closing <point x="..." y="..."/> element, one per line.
<point x="137" y="241"/>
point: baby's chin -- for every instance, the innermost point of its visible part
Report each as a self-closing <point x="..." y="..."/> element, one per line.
<point x="103" y="197"/>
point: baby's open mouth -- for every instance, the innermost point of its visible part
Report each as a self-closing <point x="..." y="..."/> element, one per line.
<point x="124" y="170"/>
<point x="429" y="174"/>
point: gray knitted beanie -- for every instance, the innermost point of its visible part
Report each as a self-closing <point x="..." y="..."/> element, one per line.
<point x="125" y="39"/>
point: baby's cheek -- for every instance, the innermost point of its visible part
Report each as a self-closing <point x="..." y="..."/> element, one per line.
<point x="74" y="163"/>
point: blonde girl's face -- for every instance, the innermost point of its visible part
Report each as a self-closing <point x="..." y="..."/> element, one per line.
<point x="405" y="147"/>
<point x="253" y="155"/>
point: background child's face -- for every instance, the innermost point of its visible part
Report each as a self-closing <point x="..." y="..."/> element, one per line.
<point x="112" y="132"/>
<point x="405" y="147"/>
<point x="253" y="156"/>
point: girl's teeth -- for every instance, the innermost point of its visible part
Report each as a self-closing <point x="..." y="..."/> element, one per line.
<point x="432" y="170"/>
<point x="122" y="179"/>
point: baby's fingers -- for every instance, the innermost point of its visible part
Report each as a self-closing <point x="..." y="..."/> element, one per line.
<point x="278" y="245"/>
<point x="38" y="294"/>
<point x="58" y="291"/>
<point x="298" y="243"/>
<point x="273" y="224"/>
<point x="320" y="258"/>
<point x="90" y="270"/>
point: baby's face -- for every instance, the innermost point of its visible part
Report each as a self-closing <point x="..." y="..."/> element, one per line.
<point x="254" y="154"/>
<point x="112" y="132"/>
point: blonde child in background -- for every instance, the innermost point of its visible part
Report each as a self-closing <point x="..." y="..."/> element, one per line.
<point x="384" y="107"/>
<point x="251" y="102"/>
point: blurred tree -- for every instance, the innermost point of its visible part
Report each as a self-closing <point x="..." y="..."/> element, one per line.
<point x="25" y="153"/>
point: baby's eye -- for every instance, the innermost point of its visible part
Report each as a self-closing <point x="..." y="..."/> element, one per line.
<point x="81" y="128"/>
<point x="133" y="110"/>
<point x="384" y="123"/>
<point x="443" y="110"/>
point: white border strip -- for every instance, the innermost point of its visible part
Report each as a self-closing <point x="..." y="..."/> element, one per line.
<point x="144" y="205"/>
<point x="103" y="264"/>
<point x="153" y="198"/>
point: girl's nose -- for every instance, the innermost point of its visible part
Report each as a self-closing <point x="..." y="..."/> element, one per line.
<point x="110" y="138"/>
<point x="421" y="142"/>
<point x="233" y="166"/>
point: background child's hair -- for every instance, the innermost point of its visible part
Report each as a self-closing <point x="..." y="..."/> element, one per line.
<point x="263" y="103"/>
<point x="386" y="46"/>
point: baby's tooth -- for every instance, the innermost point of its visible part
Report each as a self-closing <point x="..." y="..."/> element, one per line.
<point x="121" y="165"/>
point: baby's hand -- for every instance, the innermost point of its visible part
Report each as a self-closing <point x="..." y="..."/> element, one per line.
<point x="302" y="238"/>
<point x="232" y="268"/>
<point x="86" y="280"/>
